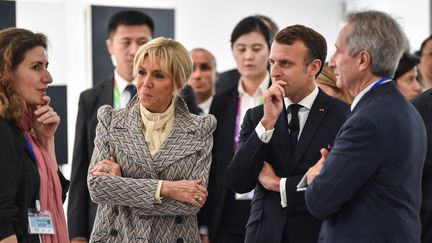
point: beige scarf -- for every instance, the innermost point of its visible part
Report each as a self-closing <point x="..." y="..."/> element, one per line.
<point x="157" y="126"/>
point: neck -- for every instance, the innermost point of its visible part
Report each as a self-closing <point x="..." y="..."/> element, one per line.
<point x="299" y="96"/>
<point x="250" y="85"/>
<point x="128" y="77"/>
<point x="361" y="85"/>
<point x="200" y="98"/>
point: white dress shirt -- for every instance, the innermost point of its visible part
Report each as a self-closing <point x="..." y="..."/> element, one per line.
<point x="125" y="96"/>
<point x="205" y="105"/>
<point x="303" y="114"/>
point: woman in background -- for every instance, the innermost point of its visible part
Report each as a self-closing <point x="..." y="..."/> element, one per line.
<point x="326" y="80"/>
<point x="406" y="76"/>
<point x="31" y="184"/>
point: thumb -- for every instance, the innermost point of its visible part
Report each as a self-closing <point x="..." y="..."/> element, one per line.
<point x="324" y="153"/>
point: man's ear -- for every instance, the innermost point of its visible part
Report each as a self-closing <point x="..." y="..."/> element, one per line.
<point x="109" y="44"/>
<point x="365" y="60"/>
<point x="314" y="67"/>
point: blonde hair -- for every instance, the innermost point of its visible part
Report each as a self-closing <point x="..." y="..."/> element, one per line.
<point x="175" y="60"/>
<point x="327" y="77"/>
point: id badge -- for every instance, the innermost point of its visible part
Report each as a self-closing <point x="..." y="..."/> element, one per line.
<point x="244" y="196"/>
<point x="40" y="222"/>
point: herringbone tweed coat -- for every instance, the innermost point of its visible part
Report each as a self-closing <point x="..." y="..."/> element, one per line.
<point x="127" y="211"/>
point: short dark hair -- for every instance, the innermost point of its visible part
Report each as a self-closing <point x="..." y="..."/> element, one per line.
<point x="314" y="42"/>
<point x="406" y="63"/>
<point x="251" y="24"/>
<point x="129" y="17"/>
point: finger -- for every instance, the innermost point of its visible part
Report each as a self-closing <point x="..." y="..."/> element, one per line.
<point x="42" y="109"/>
<point x="203" y="190"/>
<point x="51" y="120"/>
<point x="47" y="99"/>
<point x="99" y="173"/>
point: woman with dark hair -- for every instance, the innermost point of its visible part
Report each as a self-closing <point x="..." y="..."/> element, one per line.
<point x="32" y="188"/>
<point x="406" y="76"/>
<point x="224" y="217"/>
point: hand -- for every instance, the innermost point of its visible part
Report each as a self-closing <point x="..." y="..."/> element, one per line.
<point x="46" y="121"/>
<point x="315" y="170"/>
<point x="273" y="104"/>
<point x="106" y="168"/>
<point x="10" y="239"/>
<point x="78" y="241"/>
<point x="268" y="178"/>
<point x="205" y="239"/>
<point x="190" y="191"/>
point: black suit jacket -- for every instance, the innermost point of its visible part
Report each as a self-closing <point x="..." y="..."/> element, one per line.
<point x="81" y="209"/>
<point x="423" y="104"/>
<point x="369" y="189"/>
<point x="267" y="219"/>
<point x="227" y="80"/>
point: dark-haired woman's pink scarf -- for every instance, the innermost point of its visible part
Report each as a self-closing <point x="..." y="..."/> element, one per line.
<point x="50" y="190"/>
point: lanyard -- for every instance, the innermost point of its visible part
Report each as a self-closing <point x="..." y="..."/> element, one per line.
<point x="30" y="149"/>
<point x="379" y="82"/>
<point x="116" y="96"/>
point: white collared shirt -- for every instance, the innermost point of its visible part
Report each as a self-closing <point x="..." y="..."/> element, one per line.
<point x="121" y="84"/>
<point x="303" y="114"/>
<point x="205" y="105"/>
<point x="248" y="101"/>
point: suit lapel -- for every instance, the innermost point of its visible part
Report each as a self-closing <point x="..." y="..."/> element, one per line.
<point x="318" y="111"/>
<point x="107" y="91"/>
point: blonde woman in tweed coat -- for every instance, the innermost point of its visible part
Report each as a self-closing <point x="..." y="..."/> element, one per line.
<point x="151" y="160"/>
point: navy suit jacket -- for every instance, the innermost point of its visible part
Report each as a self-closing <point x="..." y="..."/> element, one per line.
<point x="267" y="219"/>
<point x="423" y="104"/>
<point x="369" y="189"/>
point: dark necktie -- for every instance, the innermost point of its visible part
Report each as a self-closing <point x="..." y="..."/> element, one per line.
<point x="293" y="125"/>
<point x="131" y="89"/>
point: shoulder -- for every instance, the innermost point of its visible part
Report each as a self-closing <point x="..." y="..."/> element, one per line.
<point x="206" y="124"/>
<point x="98" y="88"/>
<point x="5" y="130"/>
<point x="105" y="114"/>
<point x="423" y="100"/>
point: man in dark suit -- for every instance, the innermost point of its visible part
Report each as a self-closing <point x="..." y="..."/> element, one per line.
<point x="423" y="104"/>
<point x="280" y="139"/>
<point x="368" y="188"/>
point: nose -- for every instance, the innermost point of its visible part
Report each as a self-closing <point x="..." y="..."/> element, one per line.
<point x="416" y="86"/>
<point x="249" y="54"/>
<point x="46" y="78"/>
<point x="196" y="74"/>
<point x="332" y="63"/>
<point x="134" y="46"/>
<point x="274" y="70"/>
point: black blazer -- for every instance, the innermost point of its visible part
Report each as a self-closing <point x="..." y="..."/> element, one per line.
<point x="267" y="219"/>
<point x="369" y="189"/>
<point x="227" y="80"/>
<point x="423" y="104"/>
<point x="81" y="210"/>
<point x="20" y="183"/>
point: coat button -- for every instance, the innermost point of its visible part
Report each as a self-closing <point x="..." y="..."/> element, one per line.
<point x="116" y="211"/>
<point x="179" y="240"/>
<point x="114" y="232"/>
<point x="178" y="219"/>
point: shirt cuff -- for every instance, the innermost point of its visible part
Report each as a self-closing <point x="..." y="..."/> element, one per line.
<point x="158" y="198"/>
<point x="282" y="189"/>
<point x="263" y="135"/>
<point x="302" y="185"/>
<point x="203" y="230"/>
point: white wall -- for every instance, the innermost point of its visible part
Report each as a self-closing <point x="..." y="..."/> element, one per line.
<point x="201" y="23"/>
